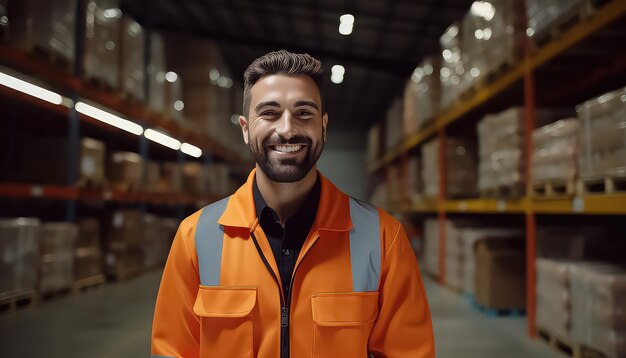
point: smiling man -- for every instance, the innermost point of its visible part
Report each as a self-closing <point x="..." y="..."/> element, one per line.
<point x="290" y="266"/>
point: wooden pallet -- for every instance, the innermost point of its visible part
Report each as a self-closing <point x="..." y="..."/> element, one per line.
<point x="554" y="189"/>
<point x="605" y="185"/>
<point x="566" y="346"/>
<point x="18" y="302"/>
<point x="87" y="283"/>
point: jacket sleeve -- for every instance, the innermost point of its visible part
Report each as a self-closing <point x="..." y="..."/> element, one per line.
<point x="175" y="328"/>
<point x="403" y="327"/>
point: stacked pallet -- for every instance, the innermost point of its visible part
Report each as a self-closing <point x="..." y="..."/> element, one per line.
<point x="57" y="257"/>
<point x="554" y="301"/>
<point x="102" y="43"/>
<point x="452" y="63"/>
<point x="491" y="39"/>
<point x="461" y="175"/>
<point x="431" y="246"/>
<point x="598" y="292"/>
<point x="554" y="158"/>
<point x="19" y="261"/>
<point x="421" y="96"/>
<point x="603" y="142"/>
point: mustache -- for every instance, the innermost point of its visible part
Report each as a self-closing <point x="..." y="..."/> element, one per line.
<point x="278" y="140"/>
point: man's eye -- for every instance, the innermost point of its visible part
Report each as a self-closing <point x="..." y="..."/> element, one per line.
<point x="268" y="113"/>
<point x="304" y="113"/>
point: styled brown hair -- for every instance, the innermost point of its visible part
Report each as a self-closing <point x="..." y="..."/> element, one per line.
<point x="285" y="62"/>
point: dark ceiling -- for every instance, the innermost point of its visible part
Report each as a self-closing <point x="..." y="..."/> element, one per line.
<point x="388" y="40"/>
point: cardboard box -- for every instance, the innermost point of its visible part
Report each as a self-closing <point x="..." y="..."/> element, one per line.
<point x="500" y="273"/>
<point x="125" y="171"/>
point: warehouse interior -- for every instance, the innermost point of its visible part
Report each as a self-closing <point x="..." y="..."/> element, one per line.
<point x="495" y="131"/>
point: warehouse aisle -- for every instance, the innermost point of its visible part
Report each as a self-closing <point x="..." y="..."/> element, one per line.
<point x="113" y="320"/>
<point x="461" y="331"/>
<point x="119" y="315"/>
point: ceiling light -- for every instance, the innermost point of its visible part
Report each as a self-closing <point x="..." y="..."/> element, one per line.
<point x="112" y="13"/>
<point x="214" y="75"/>
<point x="30" y="89"/>
<point x="162" y="139"/>
<point x="179" y="105"/>
<point x="222" y="81"/>
<point x="345" y="28"/>
<point x="347" y="18"/>
<point x="191" y="150"/>
<point x="171" y="76"/>
<point x="109" y="118"/>
<point x="336" y="78"/>
<point x="338" y="70"/>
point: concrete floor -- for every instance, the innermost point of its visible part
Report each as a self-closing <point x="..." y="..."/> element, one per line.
<point x="114" y="321"/>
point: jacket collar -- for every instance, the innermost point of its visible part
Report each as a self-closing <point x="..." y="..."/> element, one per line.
<point x="333" y="212"/>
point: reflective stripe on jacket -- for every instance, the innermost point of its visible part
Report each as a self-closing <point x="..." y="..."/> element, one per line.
<point x="356" y="289"/>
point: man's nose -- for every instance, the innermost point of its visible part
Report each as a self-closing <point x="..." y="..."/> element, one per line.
<point x="285" y="126"/>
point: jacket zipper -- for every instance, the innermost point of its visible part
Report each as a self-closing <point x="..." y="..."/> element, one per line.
<point x="284" y="304"/>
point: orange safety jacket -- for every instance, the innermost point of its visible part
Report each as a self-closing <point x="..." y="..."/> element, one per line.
<point x="356" y="287"/>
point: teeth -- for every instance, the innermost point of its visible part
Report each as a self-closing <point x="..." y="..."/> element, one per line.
<point x="288" y="148"/>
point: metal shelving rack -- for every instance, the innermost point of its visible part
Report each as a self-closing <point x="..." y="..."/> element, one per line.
<point x="70" y="84"/>
<point x="598" y="204"/>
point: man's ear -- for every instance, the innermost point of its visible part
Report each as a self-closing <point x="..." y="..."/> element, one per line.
<point x="324" y="125"/>
<point x="243" y="123"/>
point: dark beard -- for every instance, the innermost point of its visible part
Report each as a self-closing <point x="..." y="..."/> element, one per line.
<point x="286" y="170"/>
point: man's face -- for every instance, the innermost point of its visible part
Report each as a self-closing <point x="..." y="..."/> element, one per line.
<point x="285" y="129"/>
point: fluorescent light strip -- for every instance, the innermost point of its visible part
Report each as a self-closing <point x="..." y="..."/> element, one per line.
<point x="162" y="139"/>
<point x="109" y="118"/>
<point x="30" y="89"/>
<point x="191" y="150"/>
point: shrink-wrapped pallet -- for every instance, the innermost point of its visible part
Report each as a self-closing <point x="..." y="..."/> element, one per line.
<point x="421" y="96"/>
<point x="461" y="168"/>
<point x="492" y="37"/>
<point x="555" y="151"/>
<point x="46" y="27"/>
<point x="132" y="59"/>
<point x="156" y="70"/>
<point x="603" y="136"/>
<point x="19" y="256"/>
<point x="598" y="294"/>
<point x="546" y="16"/>
<point x="554" y="300"/>
<point x="88" y="250"/>
<point x="102" y="42"/>
<point x="453" y="71"/>
<point x="124" y="255"/>
<point x="57" y="257"/>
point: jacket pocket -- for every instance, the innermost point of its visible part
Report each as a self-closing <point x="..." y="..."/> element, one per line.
<point x="343" y="323"/>
<point x="225" y="321"/>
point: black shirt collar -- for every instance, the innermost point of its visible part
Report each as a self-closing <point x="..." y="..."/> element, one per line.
<point x="306" y="214"/>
